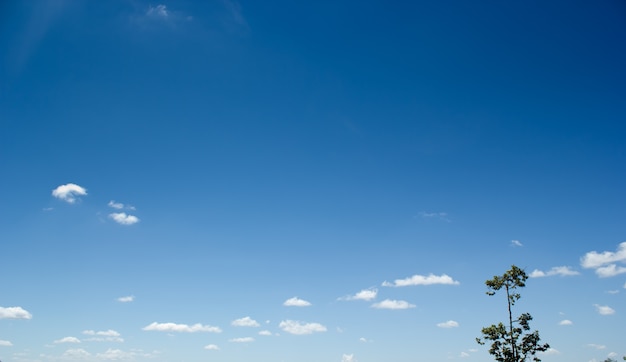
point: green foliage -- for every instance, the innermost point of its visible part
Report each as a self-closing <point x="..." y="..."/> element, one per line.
<point x="514" y="343"/>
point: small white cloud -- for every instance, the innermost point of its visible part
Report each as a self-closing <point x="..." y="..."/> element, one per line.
<point x="69" y="192"/>
<point x="422" y="280"/>
<point x="296" y="302"/>
<point x="365" y="294"/>
<point x="126" y="299"/>
<point x="551" y="352"/>
<point x="364" y="340"/>
<point x="348" y="358"/>
<point x="173" y="327"/>
<point x="242" y="340"/>
<point x="295" y="327"/>
<point x="596" y="346"/>
<point x="393" y="304"/>
<point x="4" y="343"/>
<point x="615" y="291"/>
<point x="566" y="322"/>
<point x="604" y="309"/>
<point x="245" y="322"/>
<point x="124" y="219"/>
<point x="438" y="215"/>
<point x="593" y="259"/>
<point x="610" y="270"/>
<point x="103" y="336"/>
<point x="159" y="11"/>
<point x="116" y="205"/>
<point x="76" y="354"/>
<point x="14" y="313"/>
<point x="516" y="243"/>
<point x="448" y="324"/>
<point x="464" y="355"/>
<point x="119" y="355"/>
<point x="212" y="347"/>
<point x="557" y="270"/>
<point x="265" y="333"/>
<point x="68" y="340"/>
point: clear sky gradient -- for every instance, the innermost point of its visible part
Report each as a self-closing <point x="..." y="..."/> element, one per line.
<point x="313" y="181"/>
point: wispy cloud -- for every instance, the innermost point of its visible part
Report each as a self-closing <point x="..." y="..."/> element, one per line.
<point x="174" y="327"/>
<point x="348" y="358"/>
<point x="596" y="346"/>
<point x="422" y="280"/>
<point x="365" y="294"/>
<point x="115" y="205"/>
<point x="159" y="11"/>
<point x="69" y="192"/>
<point x="295" y="327"/>
<point x="566" y="322"/>
<point x="443" y="216"/>
<point x="4" y="343"/>
<point x="516" y="243"/>
<point x="604" y="262"/>
<point x="124" y="219"/>
<point x="234" y="8"/>
<point x="265" y="333"/>
<point x="14" y="313"/>
<point x="296" y="302"/>
<point x="604" y="309"/>
<point x="393" y="304"/>
<point x="241" y="340"/>
<point x="448" y="324"/>
<point x="245" y="322"/>
<point x="212" y="347"/>
<point x="551" y="352"/>
<point x="557" y="270"/>
<point x="103" y="336"/>
<point x="68" y="340"/>
<point x="126" y="299"/>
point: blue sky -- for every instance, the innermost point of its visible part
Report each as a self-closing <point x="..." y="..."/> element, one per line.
<point x="312" y="181"/>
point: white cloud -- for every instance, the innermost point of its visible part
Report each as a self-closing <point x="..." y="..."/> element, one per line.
<point x="439" y="215"/>
<point x="604" y="309"/>
<point x="566" y="322"/>
<point x="557" y="270"/>
<point x="173" y="327"/>
<point x="265" y="333"/>
<point x="593" y="259"/>
<point x="14" y="313"/>
<point x="77" y="354"/>
<point x="296" y="302"/>
<point x="464" y="355"/>
<point x="348" y="358"/>
<point x="4" y="343"/>
<point x="610" y="270"/>
<point x="365" y="340"/>
<point x="116" y="205"/>
<point x="596" y="346"/>
<point x="159" y="11"/>
<point x="115" y="355"/>
<point x="242" y="340"/>
<point x="551" y="352"/>
<point x="245" y="322"/>
<point x="69" y="192"/>
<point x="212" y="347"/>
<point x="615" y="291"/>
<point x="126" y="299"/>
<point x="422" y="280"/>
<point x="448" y="324"/>
<point x="68" y="340"/>
<point x="107" y="333"/>
<point x="124" y="219"/>
<point x="393" y="304"/>
<point x="365" y="294"/>
<point x="103" y="336"/>
<point x="516" y="243"/>
<point x="295" y="327"/>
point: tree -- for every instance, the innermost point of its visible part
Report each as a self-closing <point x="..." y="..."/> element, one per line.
<point x="515" y="342"/>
